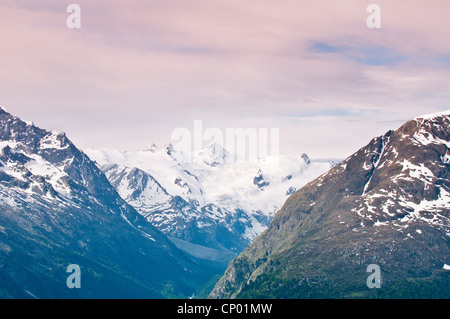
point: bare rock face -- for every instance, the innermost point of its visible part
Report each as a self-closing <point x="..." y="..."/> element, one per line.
<point x="388" y="204"/>
<point x="305" y="158"/>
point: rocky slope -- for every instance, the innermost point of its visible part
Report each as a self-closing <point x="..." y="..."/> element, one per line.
<point x="388" y="204"/>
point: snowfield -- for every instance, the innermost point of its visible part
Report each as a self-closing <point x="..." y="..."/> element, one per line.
<point x="243" y="197"/>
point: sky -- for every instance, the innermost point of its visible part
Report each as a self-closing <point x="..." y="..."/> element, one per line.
<point x="136" y="70"/>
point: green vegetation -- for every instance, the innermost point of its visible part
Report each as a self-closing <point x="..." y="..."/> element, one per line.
<point x="271" y="286"/>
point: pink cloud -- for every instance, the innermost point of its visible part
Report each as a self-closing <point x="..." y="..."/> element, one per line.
<point x="138" y="69"/>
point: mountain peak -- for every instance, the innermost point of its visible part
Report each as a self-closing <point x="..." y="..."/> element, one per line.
<point x="259" y="180"/>
<point x="5" y="113"/>
<point x="54" y="200"/>
<point x="152" y="148"/>
<point x="306" y="158"/>
<point x="169" y="148"/>
<point x="433" y="115"/>
<point x="214" y="145"/>
<point x="387" y="204"/>
<point x="213" y="154"/>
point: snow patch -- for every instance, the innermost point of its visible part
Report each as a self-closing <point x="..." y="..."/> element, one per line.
<point x="433" y="115"/>
<point x="51" y="141"/>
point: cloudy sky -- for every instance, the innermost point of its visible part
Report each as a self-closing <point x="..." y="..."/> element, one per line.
<point x="138" y="69"/>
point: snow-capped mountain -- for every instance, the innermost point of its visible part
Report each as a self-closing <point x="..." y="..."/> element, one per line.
<point x="57" y="208"/>
<point x="207" y="201"/>
<point x="388" y="204"/>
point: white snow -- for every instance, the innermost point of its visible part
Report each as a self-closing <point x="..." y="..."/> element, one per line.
<point x="37" y="166"/>
<point x="395" y="152"/>
<point x="367" y="166"/>
<point x="440" y="204"/>
<point x="51" y="141"/>
<point x="378" y="223"/>
<point x="51" y="173"/>
<point x="446" y="158"/>
<point x="420" y="172"/>
<point x="226" y="186"/>
<point x="433" y="115"/>
<point x="425" y="138"/>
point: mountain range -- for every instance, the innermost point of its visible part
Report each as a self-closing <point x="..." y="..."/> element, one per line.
<point x="148" y="224"/>
<point x="141" y="224"/>
<point x="58" y="209"/>
<point x="387" y="205"/>
<point x="210" y="207"/>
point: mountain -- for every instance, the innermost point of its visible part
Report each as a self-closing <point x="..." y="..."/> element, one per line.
<point x="388" y="205"/>
<point x="57" y="208"/>
<point x="209" y="207"/>
<point x="213" y="155"/>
